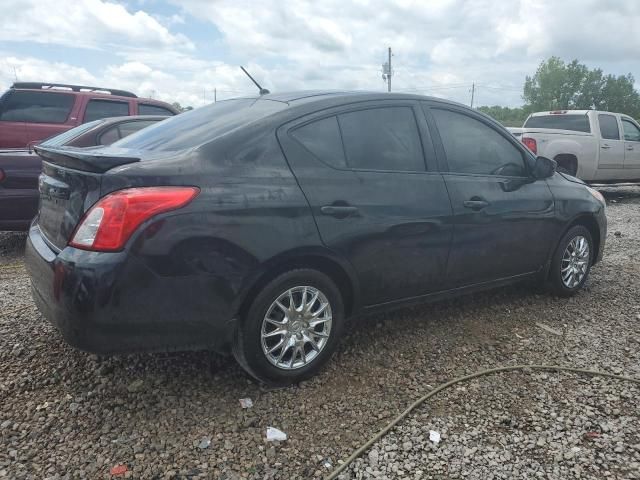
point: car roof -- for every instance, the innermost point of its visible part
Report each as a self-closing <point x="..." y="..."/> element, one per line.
<point x="562" y="112"/>
<point x="110" y="120"/>
<point x="319" y="98"/>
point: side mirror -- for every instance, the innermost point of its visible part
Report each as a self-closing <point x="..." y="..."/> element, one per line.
<point x="544" y="168"/>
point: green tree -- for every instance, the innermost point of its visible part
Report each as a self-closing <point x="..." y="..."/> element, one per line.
<point x="180" y="108"/>
<point x="509" y="117"/>
<point x="558" y="85"/>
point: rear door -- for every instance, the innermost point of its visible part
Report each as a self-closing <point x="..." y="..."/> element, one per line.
<point x="362" y="169"/>
<point x="631" y="146"/>
<point x="611" y="146"/>
<point x="503" y="219"/>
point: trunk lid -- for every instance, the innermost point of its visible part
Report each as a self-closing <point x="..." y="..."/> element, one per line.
<point x="69" y="185"/>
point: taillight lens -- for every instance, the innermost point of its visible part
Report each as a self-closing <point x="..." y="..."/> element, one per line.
<point x="2" y="175"/>
<point x="531" y="144"/>
<point x="108" y="225"/>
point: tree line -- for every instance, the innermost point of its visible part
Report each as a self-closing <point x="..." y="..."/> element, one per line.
<point x="557" y="85"/>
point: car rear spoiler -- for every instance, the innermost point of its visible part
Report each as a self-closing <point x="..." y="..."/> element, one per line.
<point x="82" y="159"/>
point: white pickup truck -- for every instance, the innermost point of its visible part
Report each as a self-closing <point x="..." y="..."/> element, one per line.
<point x="593" y="146"/>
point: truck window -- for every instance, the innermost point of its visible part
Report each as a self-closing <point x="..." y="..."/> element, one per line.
<point x="97" y="109"/>
<point x="631" y="131"/>
<point x="609" y="127"/>
<point x="36" y="107"/>
<point x="576" y="123"/>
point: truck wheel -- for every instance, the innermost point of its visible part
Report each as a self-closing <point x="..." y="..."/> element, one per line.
<point x="291" y="328"/>
<point x="571" y="262"/>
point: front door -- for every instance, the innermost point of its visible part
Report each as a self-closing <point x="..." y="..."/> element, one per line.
<point x="363" y="172"/>
<point x="631" y="148"/>
<point x="611" y="147"/>
<point x="502" y="218"/>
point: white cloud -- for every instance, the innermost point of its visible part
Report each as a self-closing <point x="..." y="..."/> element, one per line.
<point x="83" y="23"/>
<point x="440" y="46"/>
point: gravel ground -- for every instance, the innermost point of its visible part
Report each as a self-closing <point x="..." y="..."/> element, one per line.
<point x="67" y="414"/>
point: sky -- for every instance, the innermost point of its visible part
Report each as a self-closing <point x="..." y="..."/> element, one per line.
<point x="190" y="50"/>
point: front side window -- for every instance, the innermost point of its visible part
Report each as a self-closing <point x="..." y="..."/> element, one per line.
<point x="36" y="107"/>
<point x="631" y="131"/>
<point x="609" y="127"/>
<point x="472" y="147"/>
<point x="97" y="109"/>
<point x="382" y="139"/>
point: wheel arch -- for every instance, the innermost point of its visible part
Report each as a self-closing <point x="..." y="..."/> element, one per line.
<point x="338" y="270"/>
<point x="568" y="161"/>
<point x="588" y="222"/>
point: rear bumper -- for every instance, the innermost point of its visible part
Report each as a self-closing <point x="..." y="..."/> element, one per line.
<point x="113" y="303"/>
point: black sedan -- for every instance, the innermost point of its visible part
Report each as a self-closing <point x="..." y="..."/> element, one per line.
<point x="258" y="226"/>
<point x="20" y="168"/>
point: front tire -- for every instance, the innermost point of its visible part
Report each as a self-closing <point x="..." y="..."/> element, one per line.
<point x="571" y="262"/>
<point x="291" y="328"/>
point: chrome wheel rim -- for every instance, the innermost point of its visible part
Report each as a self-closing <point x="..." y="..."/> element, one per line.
<point x="296" y="327"/>
<point x="575" y="262"/>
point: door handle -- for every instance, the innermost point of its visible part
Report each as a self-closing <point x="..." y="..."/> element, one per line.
<point x="605" y="146"/>
<point x="476" y="204"/>
<point x="629" y="147"/>
<point x="338" y="211"/>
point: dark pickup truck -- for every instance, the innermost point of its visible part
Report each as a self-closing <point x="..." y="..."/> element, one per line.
<point x="20" y="169"/>
<point x="31" y="112"/>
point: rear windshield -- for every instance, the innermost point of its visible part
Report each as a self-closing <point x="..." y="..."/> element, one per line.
<point x="35" y="107"/>
<point x="577" y="123"/>
<point x="66" y="137"/>
<point x="197" y="127"/>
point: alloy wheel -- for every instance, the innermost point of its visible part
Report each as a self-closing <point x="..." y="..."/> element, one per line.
<point x="296" y="327"/>
<point x="575" y="262"/>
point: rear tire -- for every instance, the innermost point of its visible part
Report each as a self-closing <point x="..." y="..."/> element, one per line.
<point x="571" y="262"/>
<point x="291" y="328"/>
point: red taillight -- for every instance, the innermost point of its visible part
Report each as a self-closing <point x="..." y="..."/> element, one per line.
<point x="2" y="175"/>
<point x="107" y="226"/>
<point x="531" y="144"/>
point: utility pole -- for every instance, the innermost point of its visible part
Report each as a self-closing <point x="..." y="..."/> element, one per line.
<point x="390" y="72"/>
<point x="15" y="73"/>
<point x="215" y="95"/>
<point x="473" y="92"/>
<point x="387" y="71"/>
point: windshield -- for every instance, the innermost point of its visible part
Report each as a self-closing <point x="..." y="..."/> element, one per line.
<point x="66" y="137"/>
<point x="200" y="126"/>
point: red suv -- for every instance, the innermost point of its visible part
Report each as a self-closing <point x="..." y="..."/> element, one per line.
<point x="30" y="112"/>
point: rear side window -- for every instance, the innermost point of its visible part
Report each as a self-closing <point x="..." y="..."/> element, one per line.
<point x="69" y="136"/>
<point x="471" y="147"/>
<point x="576" y="123"/>
<point x="631" y="131"/>
<point x="382" y="139"/>
<point x="122" y="130"/>
<point x="36" y="107"/>
<point x="322" y="139"/>
<point x="609" y="127"/>
<point x="145" y="109"/>
<point x="127" y="128"/>
<point x="97" y="109"/>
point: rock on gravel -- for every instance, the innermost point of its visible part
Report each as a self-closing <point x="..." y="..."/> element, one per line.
<point x="66" y="414"/>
